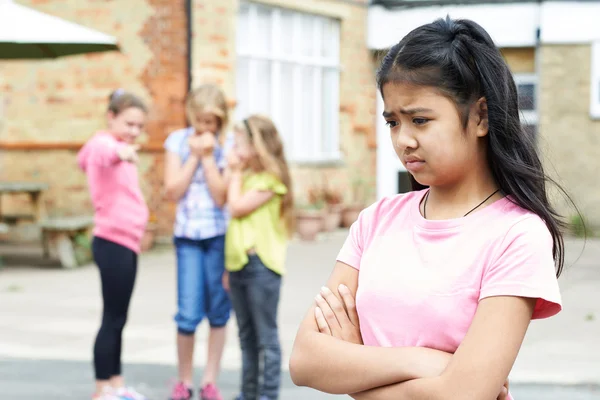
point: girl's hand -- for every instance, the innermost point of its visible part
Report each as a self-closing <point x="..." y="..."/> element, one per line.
<point x="202" y="145"/>
<point x="225" y="281"/>
<point x="233" y="161"/>
<point x="504" y="393"/>
<point x="337" y="319"/>
<point x="128" y="152"/>
<point x="208" y="141"/>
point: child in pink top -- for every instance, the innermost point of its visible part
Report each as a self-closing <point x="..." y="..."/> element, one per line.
<point x="433" y="290"/>
<point x="109" y="161"/>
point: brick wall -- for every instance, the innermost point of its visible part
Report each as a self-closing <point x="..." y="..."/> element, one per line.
<point x="53" y="106"/>
<point x="214" y="61"/>
<point x="570" y="139"/>
<point x="63" y="101"/>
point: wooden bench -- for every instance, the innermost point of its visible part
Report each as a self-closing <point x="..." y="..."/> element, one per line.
<point x="67" y="238"/>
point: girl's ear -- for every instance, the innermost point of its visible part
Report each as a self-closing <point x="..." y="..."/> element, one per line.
<point x="480" y="111"/>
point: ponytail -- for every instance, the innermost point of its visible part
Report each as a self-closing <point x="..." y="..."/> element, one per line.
<point x="462" y="62"/>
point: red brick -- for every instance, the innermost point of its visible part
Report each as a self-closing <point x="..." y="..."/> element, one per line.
<point x="219" y="66"/>
<point x="217" y="38"/>
<point x="55" y="100"/>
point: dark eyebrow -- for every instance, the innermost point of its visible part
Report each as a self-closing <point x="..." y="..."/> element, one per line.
<point x="410" y="111"/>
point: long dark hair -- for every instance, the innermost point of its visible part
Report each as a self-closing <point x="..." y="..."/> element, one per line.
<point x="459" y="58"/>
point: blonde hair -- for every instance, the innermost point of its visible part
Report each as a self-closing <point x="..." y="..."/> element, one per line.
<point x="269" y="148"/>
<point x="207" y="98"/>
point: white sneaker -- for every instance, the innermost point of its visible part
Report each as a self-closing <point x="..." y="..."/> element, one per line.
<point x="107" y="394"/>
<point x="130" y="394"/>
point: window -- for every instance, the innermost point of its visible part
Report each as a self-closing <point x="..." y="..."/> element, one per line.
<point x="595" y="89"/>
<point x="288" y="68"/>
<point x="527" y="91"/>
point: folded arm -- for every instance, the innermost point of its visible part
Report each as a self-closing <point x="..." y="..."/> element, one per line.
<point x="334" y="366"/>
<point x="480" y="366"/>
<point x="242" y="204"/>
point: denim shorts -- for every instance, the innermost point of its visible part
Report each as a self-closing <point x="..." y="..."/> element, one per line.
<point x="200" y="292"/>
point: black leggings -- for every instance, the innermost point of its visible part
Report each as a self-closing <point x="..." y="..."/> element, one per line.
<point x="118" y="266"/>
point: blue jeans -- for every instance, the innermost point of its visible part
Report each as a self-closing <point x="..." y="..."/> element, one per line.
<point x="255" y="298"/>
<point x="200" y="292"/>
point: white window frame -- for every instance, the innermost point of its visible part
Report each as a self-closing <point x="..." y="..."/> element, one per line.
<point x="595" y="81"/>
<point x="291" y="130"/>
<point x="529" y="117"/>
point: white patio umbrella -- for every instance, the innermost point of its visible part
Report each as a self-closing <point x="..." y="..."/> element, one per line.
<point x="29" y="34"/>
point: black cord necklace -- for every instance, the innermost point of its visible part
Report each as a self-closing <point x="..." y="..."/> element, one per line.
<point x="473" y="209"/>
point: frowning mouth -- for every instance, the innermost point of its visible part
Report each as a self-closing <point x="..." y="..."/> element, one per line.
<point x="413" y="164"/>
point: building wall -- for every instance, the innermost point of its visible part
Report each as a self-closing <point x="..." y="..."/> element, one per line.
<point x="50" y="108"/>
<point x="570" y="139"/>
<point x="214" y="60"/>
<point x="521" y="60"/>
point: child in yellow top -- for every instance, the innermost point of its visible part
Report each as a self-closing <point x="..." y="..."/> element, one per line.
<point x="260" y="203"/>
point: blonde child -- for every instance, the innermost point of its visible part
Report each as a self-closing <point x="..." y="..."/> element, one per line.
<point x="194" y="177"/>
<point x="260" y="203"/>
<point x="109" y="162"/>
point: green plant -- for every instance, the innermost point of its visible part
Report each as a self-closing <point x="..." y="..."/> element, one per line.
<point x="590" y="317"/>
<point x="315" y="200"/>
<point x="14" y="288"/>
<point x="82" y="248"/>
<point x="332" y="196"/>
<point x="579" y="227"/>
<point x="83" y="240"/>
<point x="362" y="190"/>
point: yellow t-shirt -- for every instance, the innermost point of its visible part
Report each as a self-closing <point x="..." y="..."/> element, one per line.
<point x="262" y="230"/>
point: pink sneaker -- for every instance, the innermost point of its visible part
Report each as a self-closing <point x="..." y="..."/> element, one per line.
<point x="181" y="392"/>
<point x="210" y="392"/>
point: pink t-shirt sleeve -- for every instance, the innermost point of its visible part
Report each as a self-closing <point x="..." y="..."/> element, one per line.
<point x="525" y="267"/>
<point x="103" y="152"/>
<point x="352" y="250"/>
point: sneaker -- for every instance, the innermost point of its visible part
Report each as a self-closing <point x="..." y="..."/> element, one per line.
<point x="107" y="394"/>
<point x="181" y="392"/>
<point x="210" y="392"/>
<point x="130" y="394"/>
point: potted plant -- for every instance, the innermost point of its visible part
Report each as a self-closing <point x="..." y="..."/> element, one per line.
<point x="149" y="233"/>
<point x="310" y="216"/>
<point x="334" y="208"/>
<point x="360" y="193"/>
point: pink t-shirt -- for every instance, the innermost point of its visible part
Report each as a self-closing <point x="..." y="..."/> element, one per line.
<point x="121" y="212"/>
<point x="420" y="280"/>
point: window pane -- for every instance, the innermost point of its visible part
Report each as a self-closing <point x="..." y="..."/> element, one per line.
<point x="306" y="139"/>
<point x="331" y="39"/>
<point x="330" y="110"/>
<point x="285" y="119"/>
<point x="260" y="97"/>
<point x="242" y="79"/>
<point x="286" y="33"/>
<point x="243" y="27"/>
<point x="262" y="31"/>
<point x="306" y="35"/>
<point x="526" y="96"/>
<point x="304" y="104"/>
